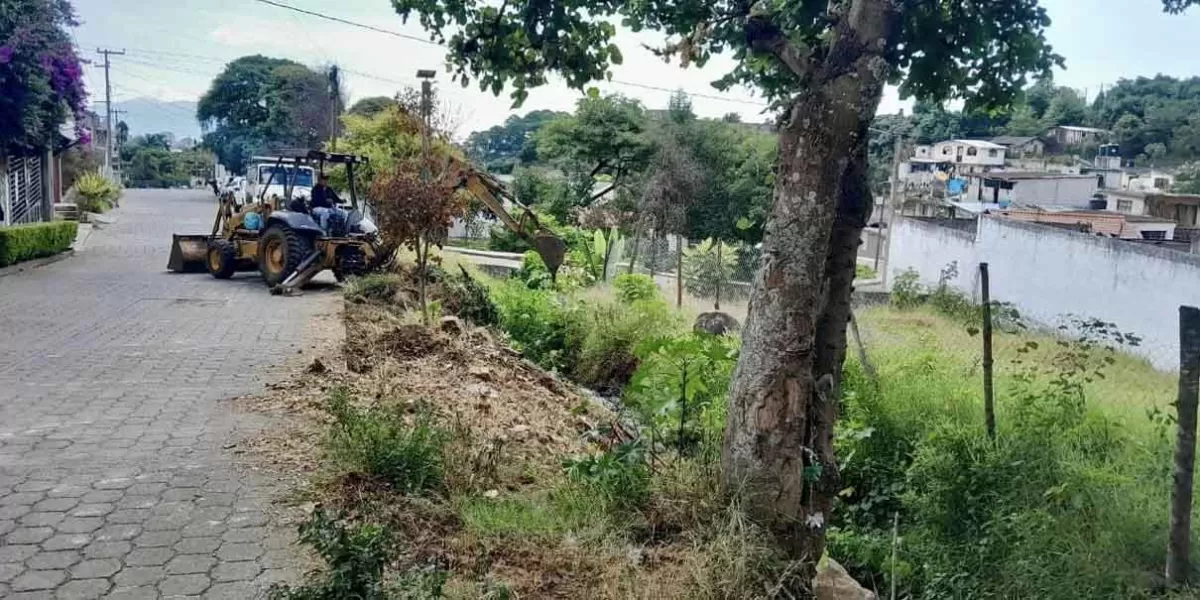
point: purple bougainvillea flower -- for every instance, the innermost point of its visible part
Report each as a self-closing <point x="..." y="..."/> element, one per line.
<point x="6" y="53"/>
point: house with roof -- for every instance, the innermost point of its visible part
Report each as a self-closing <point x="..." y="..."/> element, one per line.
<point x="1073" y="135"/>
<point x="1032" y="188"/>
<point x="969" y="156"/>
<point x="1100" y="222"/>
<point x="1018" y="146"/>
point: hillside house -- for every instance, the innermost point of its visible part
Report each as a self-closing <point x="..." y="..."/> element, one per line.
<point x="1020" y="146"/>
<point x="969" y="156"/>
<point x="1034" y="188"/>
<point x="1071" y="135"/>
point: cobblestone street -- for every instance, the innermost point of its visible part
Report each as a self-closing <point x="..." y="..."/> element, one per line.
<point x="116" y="473"/>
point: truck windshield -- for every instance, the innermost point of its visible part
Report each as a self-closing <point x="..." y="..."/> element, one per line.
<point x="284" y="175"/>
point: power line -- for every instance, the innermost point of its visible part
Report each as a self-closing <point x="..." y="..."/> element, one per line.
<point x="318" y="15"/>
<point x="398" y="34"/>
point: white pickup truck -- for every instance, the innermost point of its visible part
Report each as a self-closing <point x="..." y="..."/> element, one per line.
<point x="265" y="178"/>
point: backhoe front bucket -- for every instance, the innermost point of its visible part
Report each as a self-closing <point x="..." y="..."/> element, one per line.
<point x="189" y="253"/>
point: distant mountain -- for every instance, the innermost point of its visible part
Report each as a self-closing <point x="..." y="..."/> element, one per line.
<point x="147" y="115"/>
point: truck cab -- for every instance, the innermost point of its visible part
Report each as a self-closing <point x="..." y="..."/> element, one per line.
<point x="267" y="179"/>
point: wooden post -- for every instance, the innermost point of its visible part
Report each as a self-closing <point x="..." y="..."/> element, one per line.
<point x="989" y="406"/>
<point x="679" y="273"/>
<point x="1179" y="541"/>
<point x="720" y="277"/>
<point x="872" y="374"/>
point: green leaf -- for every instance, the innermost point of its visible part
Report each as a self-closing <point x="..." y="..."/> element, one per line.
<point x="744" y="223"/>
<point x="593" y="92"/>
<point x="614" y="54"/>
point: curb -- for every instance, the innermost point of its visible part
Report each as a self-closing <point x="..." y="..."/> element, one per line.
<point x="81" y="238"/>
<point x="35" y="263"/>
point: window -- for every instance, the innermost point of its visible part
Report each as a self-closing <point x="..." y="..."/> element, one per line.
<point x="1161" y="183"/>
<point x="1125" y="206"/>
<point x="993" y="153"/>
<point x="972" y="151"/>
<point x="1154" y="235"/>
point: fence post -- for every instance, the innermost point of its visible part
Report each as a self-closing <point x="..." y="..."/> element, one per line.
<point x="679" y="273"/>
<point x="989" y="405"/>
<point x="720" y="277"/>
<point x="1179" y="539"/>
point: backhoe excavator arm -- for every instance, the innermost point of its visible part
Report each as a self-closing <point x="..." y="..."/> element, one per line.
<point x="492" y="194"/>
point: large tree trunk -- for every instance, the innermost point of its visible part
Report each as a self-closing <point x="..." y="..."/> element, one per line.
<point x="778" y="451"/>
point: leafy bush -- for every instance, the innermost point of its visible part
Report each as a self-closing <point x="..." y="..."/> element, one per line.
<point x="862" y="271"/>
<point x="36" y="240"/>
<point x="632" y="287"/>
<point x="533" y="271"/>
<point x="620" y="477"/>
<point x="471" y="299"/>
<point x="703" y="272"/>
<point x="542" y="324"/>
<point x="96" y="193"/>
<point x="680" y="388"/>
<point x="906" y="289"/>
<point x="609" y="334"/>
<point x="355" y="556"/>
<point x="380" y="442"/>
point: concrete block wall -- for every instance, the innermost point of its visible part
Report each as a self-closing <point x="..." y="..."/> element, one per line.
<point x="1051" y="273"/>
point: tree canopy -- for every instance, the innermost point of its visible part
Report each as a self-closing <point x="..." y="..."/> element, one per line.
<point x="502" y="147"/>
<point x="369" y="106"/>
<point x="259" y="103"/>
<point x="41" y="79"/>
<point x="981" y="51"/>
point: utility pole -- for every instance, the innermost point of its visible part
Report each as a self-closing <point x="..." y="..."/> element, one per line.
<point x="335" y="97"/>
<point x="889" y="212"/>
<point x="426" y="77"/>
<point x="108" y="145"/>
<point x="117" y="143"/>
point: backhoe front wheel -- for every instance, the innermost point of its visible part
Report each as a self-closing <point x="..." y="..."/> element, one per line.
<point x="280" y="251"/>
<point x="222" y="258"/>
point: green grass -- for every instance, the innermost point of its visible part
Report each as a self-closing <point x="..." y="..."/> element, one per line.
<point x="553" y="513"/>
<point x="1070" y="500"/>
<point x="382" y="442"/>
<point x="862" y="271"/>
<point x="1130" y="386"/>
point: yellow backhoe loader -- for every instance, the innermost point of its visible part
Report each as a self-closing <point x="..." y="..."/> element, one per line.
<point x="279" y="235"/>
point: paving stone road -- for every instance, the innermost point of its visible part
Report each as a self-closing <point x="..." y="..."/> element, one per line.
<point x="115" y="480"/>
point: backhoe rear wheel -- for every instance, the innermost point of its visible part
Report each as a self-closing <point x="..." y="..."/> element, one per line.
<point x="280" y="250"/>
<point x="222" y="258"/>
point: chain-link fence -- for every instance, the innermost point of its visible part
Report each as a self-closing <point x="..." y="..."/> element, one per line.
<point x="716" y="274"/>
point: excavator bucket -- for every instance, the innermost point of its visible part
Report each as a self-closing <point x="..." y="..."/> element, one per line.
<point x="189" y="253"/>
<point x="552" y="249"/>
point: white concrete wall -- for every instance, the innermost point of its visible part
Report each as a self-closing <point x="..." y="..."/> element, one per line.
<point x="1049" y="273"/>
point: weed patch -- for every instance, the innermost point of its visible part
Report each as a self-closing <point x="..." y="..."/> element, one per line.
<point x="383" y="443"/>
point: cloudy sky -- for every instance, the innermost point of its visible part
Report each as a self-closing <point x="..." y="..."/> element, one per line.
<point x="175" y="47"/>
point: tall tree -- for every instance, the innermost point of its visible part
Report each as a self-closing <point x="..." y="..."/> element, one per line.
<point x="41" y="79"/>
<point x="605" y="140"/>
<point x="258" y="103"/>
<point x="824" y="64"/>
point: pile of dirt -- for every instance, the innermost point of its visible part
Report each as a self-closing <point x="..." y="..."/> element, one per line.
<point x="471" y="379"/>
<point x="474" y="381"/>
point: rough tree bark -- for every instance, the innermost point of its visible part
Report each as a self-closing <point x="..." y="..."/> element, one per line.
<point x="778" y="451"/>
